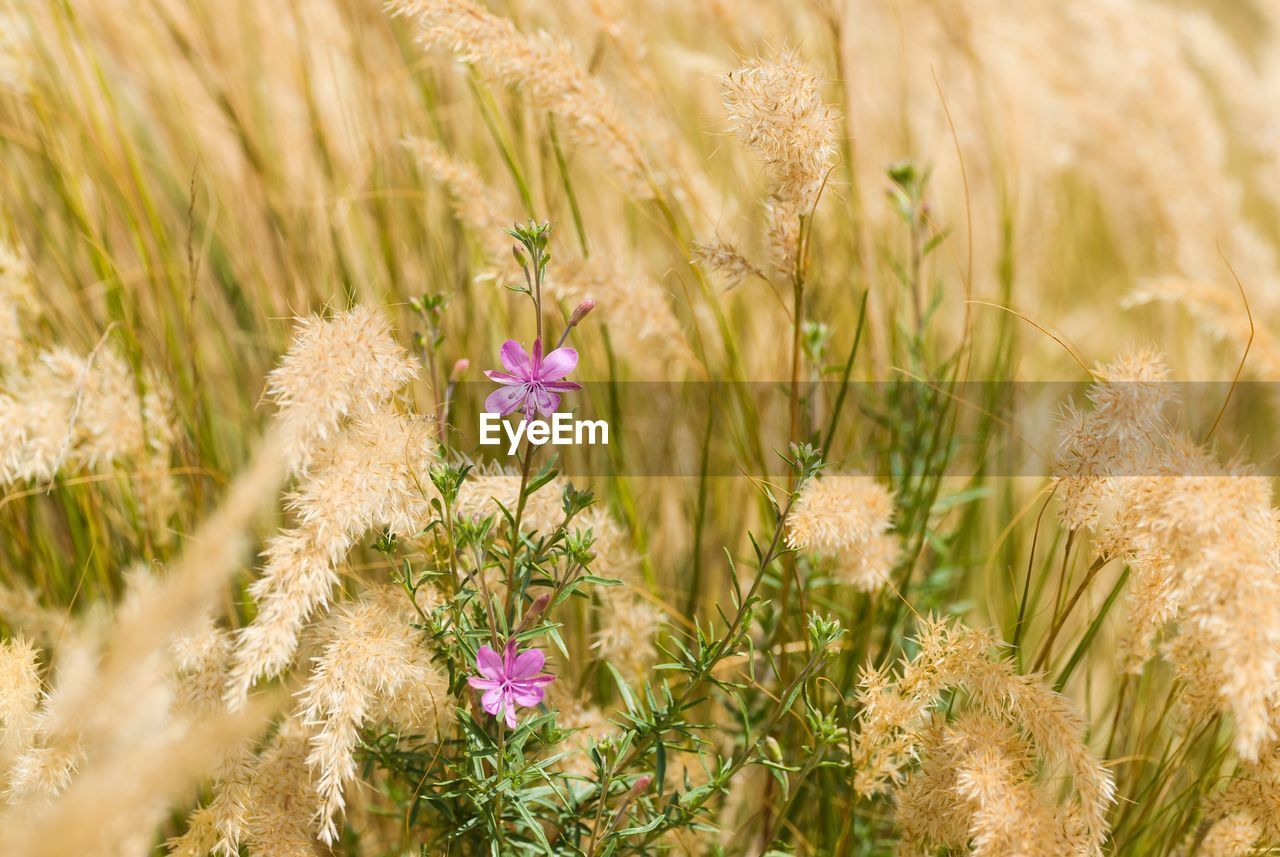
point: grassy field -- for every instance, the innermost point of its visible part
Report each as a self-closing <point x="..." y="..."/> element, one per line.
<point x="935" y="342"/>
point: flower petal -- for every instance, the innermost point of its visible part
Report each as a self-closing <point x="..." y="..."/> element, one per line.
<point x="484" y="683"/>
<point x="557" y="364"/>
<point x="504" y="400"/>
<point x="530" y="404"/>
<point x="492" y="701"/>
<point x="527" y="696"/>
<point x="562" y="386"/>
<point x="547" y="403"/>
<point x="509" y="658"/>
<point x="502" y="377"/>
<point x="537" y="358"/>
<point x="516" y="359"/>
<point x="511" y="716"/>
<point x="489" y="663"/>
<point x="528" y="664"/>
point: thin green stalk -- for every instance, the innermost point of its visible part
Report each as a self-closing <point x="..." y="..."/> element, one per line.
<point x="562" y="166"/>
<point x="844" y="377"/>
<point x="489" y="112"/>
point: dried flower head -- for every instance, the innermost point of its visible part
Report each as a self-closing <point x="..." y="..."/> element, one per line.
<point x="832" y="513"/>
<point x="19" y="306"/>
<point x="897" y="714"/>
<point x="19" y="696"/>
<point x="725" y="260"/>
<point x="473" y="199"/>
<point x="373" y="474"/>
<point x="628" y="626"/>
<point x="65" y="412"/>
<point x="546" y="72"/>
<point x="1116" y="439"/>
<point x="776" y="108"/>
<point x="846" y="519"/>
<point x="345" y="366"/>
<point x="372" y="661"/>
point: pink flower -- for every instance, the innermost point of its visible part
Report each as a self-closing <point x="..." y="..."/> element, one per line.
<point x="531" y="385"/>
<point x="509" y="680"/>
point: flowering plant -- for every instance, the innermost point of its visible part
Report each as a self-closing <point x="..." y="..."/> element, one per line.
<point x="531" y="385"/>
<point x="510" y="680"/>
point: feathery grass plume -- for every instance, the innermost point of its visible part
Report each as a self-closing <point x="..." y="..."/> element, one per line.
<point x="926" y="808"/>
<point x="628" y="626"/>
<point x="62" y="411"/>
<point x="1010" y="816"/>
<point x="473" y="199"/>
<point x="119" y="798"/>
<point x="1099" y="447"/>
<point x="895" y="714"/>
<point x="200" y="837"/>
<point x="1152" y="598"/>
<point x="373" y="474"/>
<point x="44" y="765"/>
<point x="1220" y="312"/>
<point x="485" y="491"/>
<point x="373" y="662"/>
<point x="588" y="723"/>
<point x="834" y="512"/>
<point x="776" y="109"/>
<point x="975" y="785"/>
<point x="282" y="800"/>
<point x="19" y="696"/>
<point x="545" y="70"/>
<point x="343" y="367"/>
<point x="220" y="827"/>
<point x="22" y="611"/>
<point x="1244" y="812"/>
<point x="1232" y="836"/>
<point x="1195" y="668"/>
<point x="108" y="753"/>
<point x="174" y="604"/>
<point x="203" y="658"/>
<point x="19" y="306"/>
<point x="846" y="519"/>
<point x="610" y="544"/>
<point x="1213" y="530"/>
<point x="725" y="261"/>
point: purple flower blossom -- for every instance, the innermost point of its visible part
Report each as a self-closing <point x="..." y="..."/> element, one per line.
<point x="509" y="680"/>
<point x="531" y="384"/>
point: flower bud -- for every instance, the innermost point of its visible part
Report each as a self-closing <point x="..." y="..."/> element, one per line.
<point x="459" y="369"/>
<point x="580" y="311"/>
<point x="535" y="610"/>
<point x="637" y="789"/>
